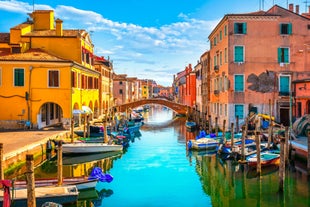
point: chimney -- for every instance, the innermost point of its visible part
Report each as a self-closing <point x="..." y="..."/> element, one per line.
<point x="291" y="7"/>
<point x="297" y="9"/>
<point x="59" y="31"/>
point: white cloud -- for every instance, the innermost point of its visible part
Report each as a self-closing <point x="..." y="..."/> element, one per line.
<point x="136" y="46"/>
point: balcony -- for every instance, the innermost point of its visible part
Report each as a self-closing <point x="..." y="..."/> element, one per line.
<point x="216" y="68"/>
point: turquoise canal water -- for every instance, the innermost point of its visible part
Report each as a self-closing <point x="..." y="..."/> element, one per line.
<point x="157" y="171"/>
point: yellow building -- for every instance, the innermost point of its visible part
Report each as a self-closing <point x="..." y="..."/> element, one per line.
<point x="47" y="74"/>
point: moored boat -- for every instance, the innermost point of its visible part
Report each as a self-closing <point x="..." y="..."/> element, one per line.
<point x="267" y="158"/>
<point x="191" y="125"/>
<point x="88" y="148"/>
<point x="203" y="144"/>
<point x="56" y="194"/>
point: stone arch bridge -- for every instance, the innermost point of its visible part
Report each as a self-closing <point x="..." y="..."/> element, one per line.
<point x="178" y="108"/>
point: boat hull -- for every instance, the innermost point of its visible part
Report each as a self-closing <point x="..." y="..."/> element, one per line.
<point x="89" y="148"/>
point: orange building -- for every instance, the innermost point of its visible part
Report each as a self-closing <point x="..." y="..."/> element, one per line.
<point x="254" y="59"/>
<point x="302" y="98"/>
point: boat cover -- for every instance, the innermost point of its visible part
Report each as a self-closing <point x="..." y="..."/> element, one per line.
<point x="97" y="173"/>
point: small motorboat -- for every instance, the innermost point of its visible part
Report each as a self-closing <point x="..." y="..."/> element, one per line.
<point x="267" y="158"/>
<point x="203" y="144"/>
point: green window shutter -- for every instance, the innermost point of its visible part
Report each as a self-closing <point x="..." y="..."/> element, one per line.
<point x="279" y="55"/>
<point x="244" y="28"/>
<point x="239" y="85"/>
<point x="235" y="28"/>
<point x="238" y="54"/>
<point x="290" y="28"/>
<point x="239" y="111"/>
<point x="284" y="84"/>
<point x="19" y="77"/>
<point x="286" y="55"/>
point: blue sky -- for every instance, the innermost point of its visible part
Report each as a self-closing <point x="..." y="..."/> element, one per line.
<point x="145" y="39"/>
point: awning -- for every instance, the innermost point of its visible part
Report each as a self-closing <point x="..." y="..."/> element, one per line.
<point x="87" y="110"/>
<point x="78" y="111"/>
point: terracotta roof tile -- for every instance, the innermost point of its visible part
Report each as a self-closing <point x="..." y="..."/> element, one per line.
<point x="4" y="37"/>
<point x="32" y="55"/>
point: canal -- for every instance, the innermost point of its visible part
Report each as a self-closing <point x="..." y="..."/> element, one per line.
<point x="157" y="171"/>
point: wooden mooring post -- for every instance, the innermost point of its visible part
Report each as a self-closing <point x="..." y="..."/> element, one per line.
<point x="59" y="164"/>
<point x="105" y="130"/>
<point x="270" y="128"/>
<point x="223" y="135"/>
<point x="31" y="198"/>
<point x="258" y="147"/>
<point x="244" y="131"/>
<point x="282" y="165"/>
<point x="216" y="127"/>
<point x="210" y="124"/>
<point x="1" y="162"/>
<point x="308" y="155"/>
<point x="232" y="132"/>
<point x="72" y="129"/>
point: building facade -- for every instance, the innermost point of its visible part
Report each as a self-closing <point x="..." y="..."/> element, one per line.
<point x="47" y="73"/>
<point x="254" y="59"/>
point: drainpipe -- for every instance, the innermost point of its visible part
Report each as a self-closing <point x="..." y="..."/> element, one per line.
<point x="29" y="103"/>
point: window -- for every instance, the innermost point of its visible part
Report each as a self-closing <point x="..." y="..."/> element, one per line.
<point x="239" y="111"/>
<point x="73" y="81"/>
<point x="239" y="83"/>
<point x="214" y="60"/>
<point x="284" y="87"/>
<point x="239" y="54"/>
<point x="19" y="79"/>
<point x="221" y="36"/>
<point x="240" y="28"/>
<point x="286" y="29"/>
<point x="225" y="30"/>
<point x="283" y="55"/>
<point x="221" y="62"/>
<point x="53" y="78"/>
<point x="120" y="91"/>
<point x="214" y="41"/>
<point x="225" y="54"/>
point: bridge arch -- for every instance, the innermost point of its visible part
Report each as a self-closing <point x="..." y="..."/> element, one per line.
<point x="178" y="108"/>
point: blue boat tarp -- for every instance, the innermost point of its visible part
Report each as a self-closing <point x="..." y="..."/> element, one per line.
<point x="97" y="173"/>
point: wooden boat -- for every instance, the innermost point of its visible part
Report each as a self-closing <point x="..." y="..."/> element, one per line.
<point x="191" y="125"/>
<point x="88" y="148"/>
<point x="267" y="158"/>
<point x="81" y="183"/>
<point x="203" y="144"/>
<point x="85" y="158"/>
<point x="95" y="131"/>
<point x="300" y="146"/>
<point x="56" y="194"/>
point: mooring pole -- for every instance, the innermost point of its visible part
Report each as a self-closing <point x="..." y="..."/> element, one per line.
<point x="308" y="157"/>
<point x="105" y="130"/>
<point x="270" y="125"/>
<point x="282" y="165"/>
<point x="31" y="198"/>
<point x="223" y="135"/>
<point x="88" y="126"/>
<point x="72" y="129"/>
<point x="243" y="143"/>
<point x="210" y="125"/>
<point x="237" y="124"/>
<point x="84" y="127"/>
<point x="258" y="147"/>
<point x="1" y="164"/>
<point x="59" y="162"/>
<point x="232" y="136"/>
<point x="216" y="127"/>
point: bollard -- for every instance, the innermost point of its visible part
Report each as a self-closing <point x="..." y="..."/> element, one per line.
<point x="59" y="162"/>
<point x="31" y="198"/>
